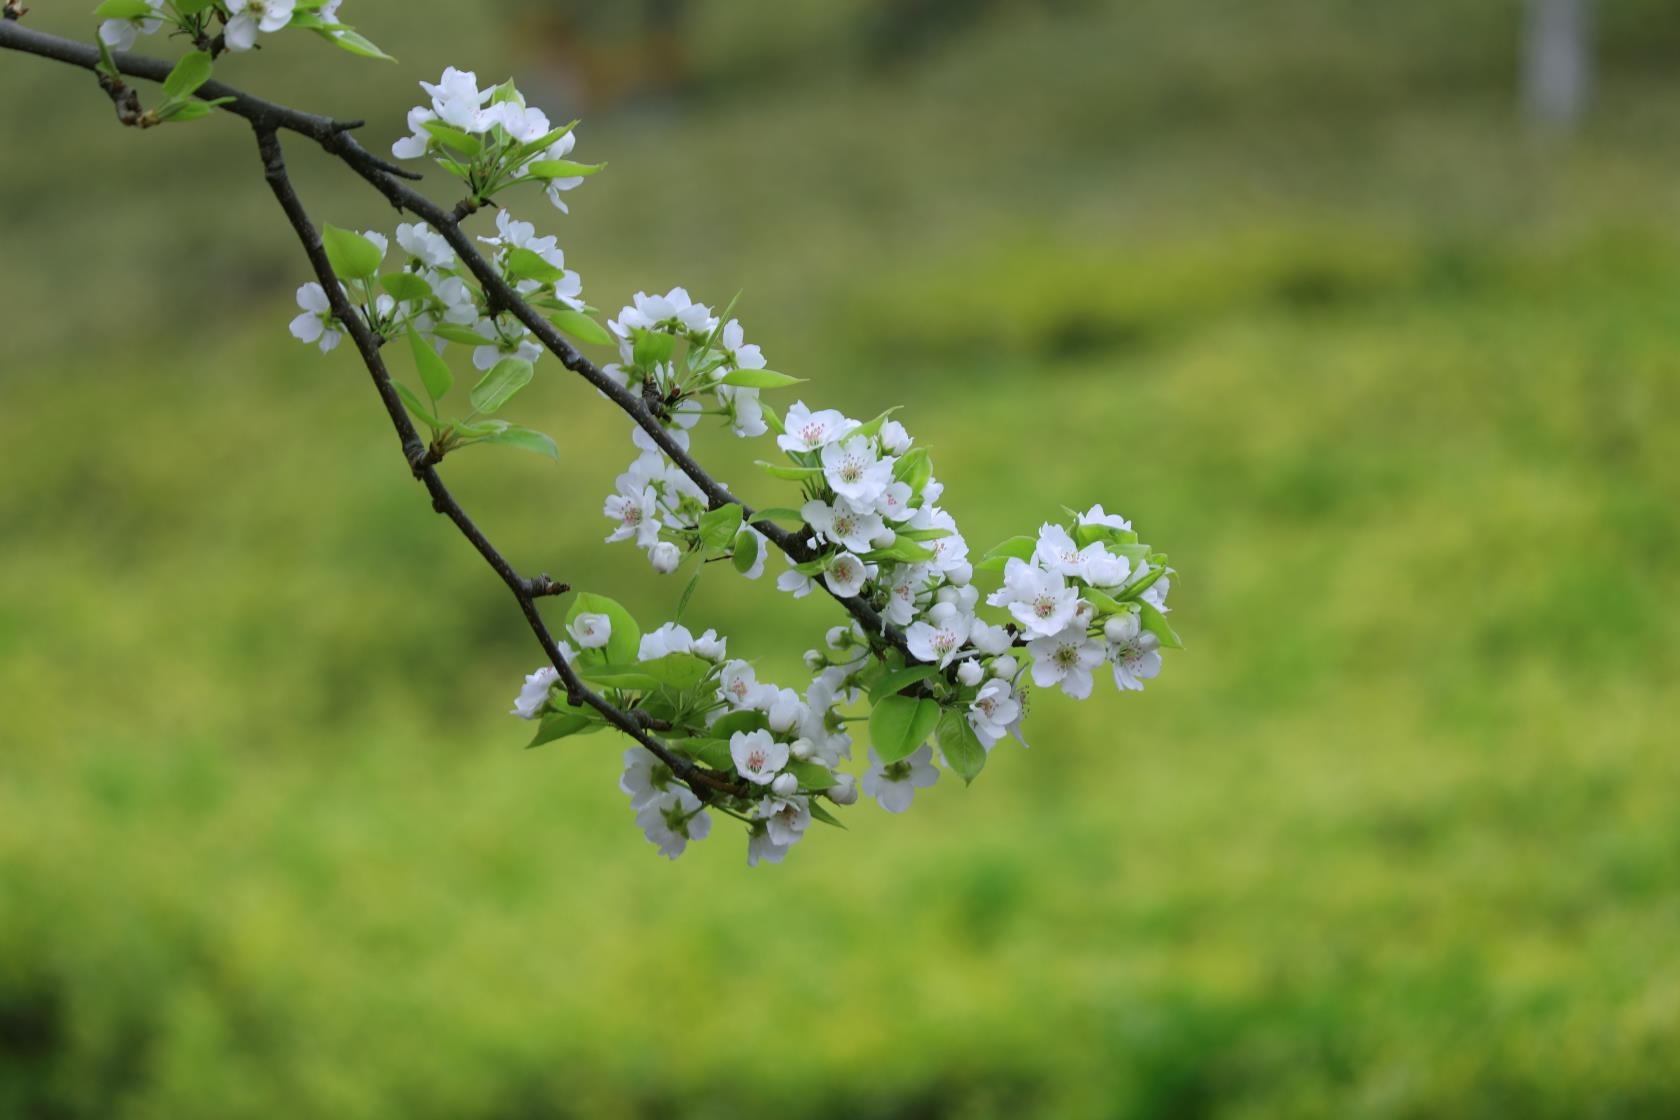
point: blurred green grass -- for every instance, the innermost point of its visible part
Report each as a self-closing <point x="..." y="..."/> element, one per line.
<point x="1391" y="381"/>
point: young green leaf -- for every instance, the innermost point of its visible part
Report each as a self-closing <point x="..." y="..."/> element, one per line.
<point x="526" y="264"/>
<point x="434" y="371"/>
<point x="823" y="815"/>
<point x="191" y="72"/>
<point x="464" y="142"/>
<point x="719" y="526"/>
<point x="760" y="379"/>
<point x="900" y="679"/>
<point x="352" y="256"/>
<point x="464" y="336"/>
<point x="124" y="9"/>
<point x="792" y="474"/>
<point x="688" y="592"/>
<point x="1020" y="548"/>
<point x="405" y="287"/>
<point x="811" y="775"/>
<point x="747" y="719"/>
<point x="914" y="468"/>
<point x="746" y="552"/>
<point x="581" y="327"/>
<point x="900" y="724"/>
<point x="357" y="44"/>
<point x="561" y="169"/>
<point x="569" y="721"/>
<point x="497" y="387"/>
<point x="652" y="348"/>
<point x="960" y="746"/>
<point x="526" y="440"/>
<point x="1156" y="623"/>
<point x="779" y="513"/>
<point x="416" y="406"/>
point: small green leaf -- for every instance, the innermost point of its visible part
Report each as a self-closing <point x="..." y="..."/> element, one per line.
<point x="900" y="724"/>
<point x="719" y="526"/>
<point x="652" y="348"/>
<point x="499" y="385"/>
<point x="525" y="264"/>
<point x="567" y="721"/>
<point x="903" y="549"/>
<point x="541" y="143"/>
<point x="779" y="513"/>
<point x="773" y="419"/>
<point x="759" y="379"/>
<point x="124" y="9"/>
<point x="1132" y="591"/>
<point x="561" y="169"/>
<point x="1156" y="623"/>
<point x="357" y="44"/>
<point x="434" y="371"/>
<point x="525" y="439"/>
<point x="712" y="752"/>
<point x="626" y="638"/>
<point x="823" y="815"/>
<point x="792" y="474"/>
<point x="746" y="552"/>
<point x="416" y="406"/>
<point x="914" y="468"/>
<point x="191" y="72"/>
<point x="873" y="428"/>
<point x="688" y="592"/>
<point x="748" y="719"/>
<point x="406" y="287"/>
<point x="960" y="746"/>
<point x="614" y="676"/>
<point x="1019" y="548"/>
<point x="581" y="327"/>
<point x="352" y="256"/>
<point x="811" y="775"/>
<point x="900" y="679"/>
<point x="454" y="332"/>
<point x="464" y="142"/>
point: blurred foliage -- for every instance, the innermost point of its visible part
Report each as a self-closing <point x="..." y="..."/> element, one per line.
<point x="1392" y="381"/>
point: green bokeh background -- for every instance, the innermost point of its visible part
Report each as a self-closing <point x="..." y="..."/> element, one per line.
<point x="1390" y="376"/>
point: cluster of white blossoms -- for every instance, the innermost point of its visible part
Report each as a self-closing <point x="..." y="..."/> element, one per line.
<point x="939" y="669"/>
<point x="242" y="22"/>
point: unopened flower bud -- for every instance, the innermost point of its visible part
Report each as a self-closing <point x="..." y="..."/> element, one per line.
<point x="894" y="439"/>
<point x="941" y="613"/>
<point x="709" y="646"/>
<point x="785" y="714"/>
<point x="970" y="673"/>
<point x="1121" y="628"/>
<point x="949" y="595"/>
<point x="785" y="785"/>
<point x="886" y="538"/>
<point x="801" y="749"/>
<point x="1004" y="668"/>
<point x="835" y="636"/>
<point x="961" y="574"/>
<point x="664" y="557"/>
<point x="1084" y="613"/>
<point x="844" y="790"/>
<point x="814" y="660"/>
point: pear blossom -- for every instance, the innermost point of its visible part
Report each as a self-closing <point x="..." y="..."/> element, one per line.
<point x="645" y="778"/>
<point x="969" y="673"/>
<point x="738" y="686"/>
<point x="1041" y="601"/>
<point x="855" y="470"/>
<point x="796" y="583"/>
<point x="674" y="311"/>
<point x="419" y="141"/>
<point x="786" y="817"/>
<point x="761" y="847"/>
<point x="1136" y="661"/>
<point x="894" y="439"/>
<point x="316" y="324"/>
<point x="842" y="524"/>
<point x="534" y="695"/>
<point x="1066" y="659"/>
<point x="741" y="354"/>
<point x="710" y="647"/>
<point x="635" y="509"/>
<point x="458" y="102"/>
<point x="665" y="557"/>
<point x="591" y="630"/>
<point x="669" y="638"/>
<point x="673" y="820"/>
<point x="1101" y="568"/>
<point x="987" y="638"/>
<point x="756" y="568"/>
<point x="844" y="791"/>
<point x="939" y="640"/>
<point x="845" y="575"/>
<point x="992" y="711"/>
<point x="894" y="785"/>
<point x="905" y="584"/>
<point x="1121" y="628"/>
<point x="560" y="149"/>
<point x="1096" y="516"/>
<point x="758" y="757"/>
<point x="119" y="34"/>
<point x="809" y="431"/>
<point x="248" y="17"/>
<point x="425" y="245"/>
<point x="1004" y="668"/>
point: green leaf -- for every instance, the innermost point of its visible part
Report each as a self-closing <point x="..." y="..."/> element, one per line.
<point x="464" y="142"/>
<point x="719" y="526"/>
<point x="688" y="591"/>
<point x="903" y="549"/>
<point x="652" y="348"/>
<point x="1132" y="591"/>
<point x="124" y="9"/>
<point x="567" y="721"/>
<point x="792" y="474"/>
<point x="416" y="406"/>
<point x="960" y="746"/>
<point x="614" y="676"/>
<point x="823" y="815"/>
<point x="1156" y="623"/>
<point x="900" y="724"/>
<point x="759" y="379"/>
<point x="406" y="287"/>
<point x="525" y="439"/>
<point x="1104" y="603"/>
<point x="174" y="109"/>
<point x="680" y="671"/>
<point x="1019" y="548"/>
<point x="712" y="752"/>
<point x="811" y="775"/>
<point x="581" y="327"/>
<point x="900" y="679"/>
<point x="541" y="143"/>
<point x="914" y="468"/>
<point x="454" y="332"/>
<point x="746" y="552"/>
<point x="498" y="386"/>
<point x="357" y="44"/>
<point x="745" y="720"/>
<point x="626" y="638"/>
<point x="561" y="169"/>
<point x="352" y="256"/>
<point x="191" y="72"/>
<point x="434" y="371"/>
<point x="779" y="513"/>
<point x="873" y="428"/>
<point x="525" y="264"/>
<point x="773" y="419"/>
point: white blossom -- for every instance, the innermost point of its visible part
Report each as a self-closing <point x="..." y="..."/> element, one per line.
<point x="758" y="757"/>
<point x="425" y="245"/>
<point x="992" y="711"/>
<point x="119" y="34"/>
<point x="591" y="630"/>
<point x="941" y="639"/>
<point x="316" y="324"/>
<point x="1040" y="600"/>
<point x="645" y="778"/>
<point x="738" y="686"/>
<point x="845" y="575"/>
<point x="856" y="471"/>
<point x="970" y="673"/>
<point x="248" y="17"/>
<point x="1066" y="659"/>
<point x="786" y="818"/>
<point x="1096" y="516"/>
<point x="669" y="638"/>
<point x="1121" y="628"/>
<point x="458" y="102"/>
<point x="1136" y="661"/>
<point x="534" y="695"/>
<point x="842" y="524"/>
<point x="673" y="311"/>
<point x="673" y="820"/>
<point x="809" y="431"/>
<point x="665" y="557"/>
<point x="894" y="785"/>
<point x="894" y="438"/>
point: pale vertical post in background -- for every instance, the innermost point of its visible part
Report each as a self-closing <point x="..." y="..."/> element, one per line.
<point x="1557" y="64"/>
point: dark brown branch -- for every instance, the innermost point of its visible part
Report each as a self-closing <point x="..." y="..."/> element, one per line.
<point x="525" y="591"/>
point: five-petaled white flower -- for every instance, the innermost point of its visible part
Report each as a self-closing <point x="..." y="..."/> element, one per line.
<point x="842" y="524"/>
<point x="1066" y="659"/>
<point x="808" y="431"/>
<point x="845" y="575"/>
<point x="992" y="711"/>
<point x="856" y="471"/>
<point x="1136" y="661"/>
<point x="534" y="694"/>
<point x="894" y="785"/>
<point x="645" y="778"/>
<point x="669" y="638"/>
<point x="316" y="324"/>
<point x="252" y="16"/>
<point x="1040" y="600"/>
<point x="758" y="757"/>
<point x="673" y="820"/>
<point x="941" y="639"/>
<point x="591" y="630"/>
